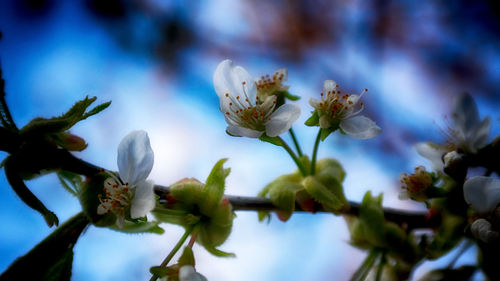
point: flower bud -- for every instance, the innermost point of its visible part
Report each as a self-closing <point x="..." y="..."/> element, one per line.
<point x="70" y="142"/>
<point x="482" y="230"/>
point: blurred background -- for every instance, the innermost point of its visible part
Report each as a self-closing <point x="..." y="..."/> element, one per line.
<point x="155" y="61"/>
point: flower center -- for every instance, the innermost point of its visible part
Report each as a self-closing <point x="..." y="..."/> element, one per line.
<point x="340" y="106"/>
<point x="416" y="182"/>
<point x="266" y="85"/>
<point x="117" y="196"/>
<point x="244" y="113"/>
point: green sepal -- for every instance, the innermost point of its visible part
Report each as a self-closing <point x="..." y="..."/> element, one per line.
<point x="271" y="140"/>
<point x="52" y="258"/>
<point x="322" y="193"/>
<point x="139" y="227"/>
<point x="282" y="192"/>
<point x="187" y="257"/>
<point x="162" y="271"/>
<point x="70" y="181"/>
<point x="326" y="132"/>
<point x="219" y="253"/>
<point x="290" y="96"/>
<point x="313" y="120"/>
<point x="213" y="190"/>
<point x="64" y="122"/>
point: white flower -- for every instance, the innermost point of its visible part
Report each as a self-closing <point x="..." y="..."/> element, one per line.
<point x="187" y="273"/>
<point x="467" y="132"/>
<point x="245" y="114"/>
<point x="433" y="152"/>
<point x="482" y="193"/>
<point x="131" y="189"/>
<point x="337" y="109"/>
<point x="267" y="85"/>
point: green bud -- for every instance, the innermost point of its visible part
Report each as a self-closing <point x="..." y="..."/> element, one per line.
<point x="69" y="141"/>
<point x="322" y="193"/>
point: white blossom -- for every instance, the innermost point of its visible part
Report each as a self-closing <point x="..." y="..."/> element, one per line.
<point x="482" y="193"/>
<point x="335" y="108"/>
<point x="130" y="191"/>
<point x="187" y="273"/>
<point x="466" y="132"/>
<point x="245" y="114"/>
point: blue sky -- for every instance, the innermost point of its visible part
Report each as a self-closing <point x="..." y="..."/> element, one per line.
<point x="53" y="56"/>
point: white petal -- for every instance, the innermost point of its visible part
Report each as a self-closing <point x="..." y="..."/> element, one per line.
<point x="229" y="78"/>
<point x="243" y="132"/>
<point x="433" y="153"/>
<point x="187" y="273"/>
<point x="360" y="127"/>
<point x="465" y="114"/>
<point x="143" y="201"/>
<point x="282" y="119"/>
<point x="480" y="134"/>
<point x="482" y="193"/>
<point x="135" y="157"/>
<point x="328" y="86"/>
<point x="314" y="102"/>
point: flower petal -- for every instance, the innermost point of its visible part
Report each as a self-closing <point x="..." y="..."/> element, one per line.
<point x="465" y="114"/>
<point x="135" y="157"/>
<point x="328" y="86"/>
<point x="143" y="201"/>
<point x="229" y="79"/>
<point x="482" y="193"/>
<point x="360" y="127"/>
<point x="187" y="273"/>
<point x="480" y="134"/>
<point x="282" y="119"/>
<point x="243" y="132"/>
<point x="433" y="153"/>
<point x="314" y="102"/>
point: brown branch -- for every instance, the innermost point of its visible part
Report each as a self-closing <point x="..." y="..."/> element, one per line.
<point x="62" y="159"/>
<point x="408" y="219"/>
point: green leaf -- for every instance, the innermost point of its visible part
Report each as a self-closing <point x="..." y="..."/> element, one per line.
<point x="313" y="120"/>
<point x="290" y="96"/>
<point x="322" y="194"/>
<point x="97" y="109"/>
<point x="187" y="257"/>
<point x="271" y="140"/>
<point x="75" y="114"/>
<point x="51" y="259"/>
<point x="214" y="188"/>
<point x="139" y="227"/>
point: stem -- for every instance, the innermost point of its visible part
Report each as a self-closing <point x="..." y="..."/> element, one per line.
<point x="365" y="267"/>
<point x="295" y="142"/>
<point x="294" y="157"/>
<point x="174" y="251"/>
<point x="193" y="237"/>
<point x="380" y="268"/>
<point x="315" y="152"/>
